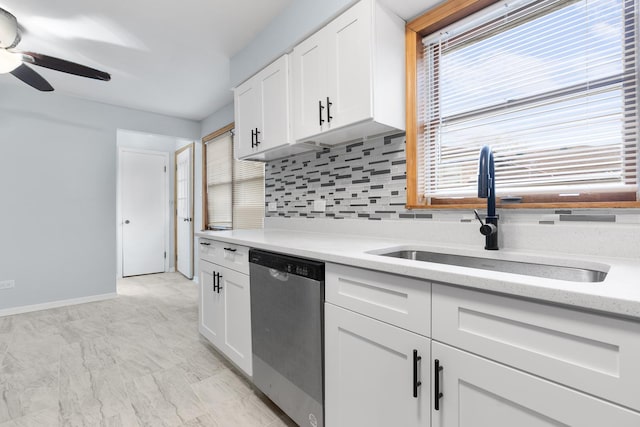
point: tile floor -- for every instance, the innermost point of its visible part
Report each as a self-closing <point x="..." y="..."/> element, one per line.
<point x="136" y="360"/>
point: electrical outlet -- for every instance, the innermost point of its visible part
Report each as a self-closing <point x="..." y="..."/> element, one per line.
<point x="319" y="205"/>
<point x="273" y="206"/>
<point x="7" y="284"/>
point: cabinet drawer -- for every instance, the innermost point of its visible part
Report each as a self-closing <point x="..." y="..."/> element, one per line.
<point x="397" y="300"/>
<point x="593" y="353"/>
<point x="227" y="255"/>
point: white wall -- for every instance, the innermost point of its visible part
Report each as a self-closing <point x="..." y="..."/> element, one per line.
<point x="58" y="192"/>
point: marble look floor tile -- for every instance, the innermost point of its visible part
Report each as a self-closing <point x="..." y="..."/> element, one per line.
<point x="203" y="421"/>
<point x="89" y="354"/>
<point x="164" y="399"/>
<point x="143" y="356"/>
<point x="48" y="418"/>
<point x="30" y="354"/>
<point x="247" y="411"/>
<point x="83" y="329"/>
<point x="6" y="324"/>
<point x="200" y="362"/>
<point x="28" y="391"/>
<point x="94" y="397"/>
<point x="4" y="345"/>
<point x="221" y="388"/>
<point x="135" y="360"/>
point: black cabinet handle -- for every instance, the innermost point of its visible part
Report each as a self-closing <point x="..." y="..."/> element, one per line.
<point x="320" y="108"/>
<point x="436" y="381"/>
<point x="213" y="280"/>
<point x="329" y="116"/>
<point x="416" y="383"/>
<point x="205" y="244"/>
<point x="257" y="133"/>
<point x="219" y="277"/>
<point x="230" y="249"/>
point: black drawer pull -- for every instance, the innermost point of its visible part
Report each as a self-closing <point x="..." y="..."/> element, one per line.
<point x="416" y="383"/>
<point x="230" y="249"/>
<point x="436" y="381"/>
<point x="205" y="244"/>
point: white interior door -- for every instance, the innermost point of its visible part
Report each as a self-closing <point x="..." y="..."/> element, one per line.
<point x="184" y="211"/>
<point x="144" y="208"/>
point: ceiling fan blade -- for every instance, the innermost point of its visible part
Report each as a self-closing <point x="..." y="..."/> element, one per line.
<point x="32" y="78"/>
<point x="64" y="66"/>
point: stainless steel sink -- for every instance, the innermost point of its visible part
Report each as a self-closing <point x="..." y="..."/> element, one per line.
<point x="572" y="274"/>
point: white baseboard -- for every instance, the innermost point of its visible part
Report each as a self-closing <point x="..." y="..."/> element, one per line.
<point x="172" y="270"/>
<point x="55" y="304"/>
<point x="196" y="279"/>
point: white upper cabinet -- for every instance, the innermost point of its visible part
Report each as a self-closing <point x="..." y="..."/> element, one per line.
<point x="310" y="79"/>
<point x="348" y="78"/>
<point x="262" y="114"/>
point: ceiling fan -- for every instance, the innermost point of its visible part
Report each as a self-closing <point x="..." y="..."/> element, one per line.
<point x="15" y="62"/>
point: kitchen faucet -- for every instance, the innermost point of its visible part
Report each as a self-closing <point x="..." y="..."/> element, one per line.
<point x="487" y="190"/>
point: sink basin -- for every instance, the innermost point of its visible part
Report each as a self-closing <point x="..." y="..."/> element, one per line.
<point x="572" y="274"/>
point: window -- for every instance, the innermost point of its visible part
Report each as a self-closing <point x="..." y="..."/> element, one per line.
<point x="234" y="190"/>
<point x="550" y="85"/>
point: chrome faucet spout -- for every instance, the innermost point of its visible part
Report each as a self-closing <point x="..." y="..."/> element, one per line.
<point x="487" y="190"/>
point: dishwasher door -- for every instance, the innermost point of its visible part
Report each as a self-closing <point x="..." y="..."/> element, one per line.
<point x="287" y="338"/>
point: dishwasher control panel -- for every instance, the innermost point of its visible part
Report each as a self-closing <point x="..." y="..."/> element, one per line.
<point x="293" y="265"/>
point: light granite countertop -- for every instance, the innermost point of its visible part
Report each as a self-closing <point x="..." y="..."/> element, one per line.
<point x="618" y="294"/>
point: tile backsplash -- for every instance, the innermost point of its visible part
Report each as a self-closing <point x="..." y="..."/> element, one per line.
<point x="366" y="180"/>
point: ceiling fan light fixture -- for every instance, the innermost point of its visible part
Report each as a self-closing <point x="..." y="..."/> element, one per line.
<point x="8" y="29"/>
<point x="9" y="61"/>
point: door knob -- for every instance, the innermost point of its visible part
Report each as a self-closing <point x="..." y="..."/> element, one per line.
<point x="126" y="221"/>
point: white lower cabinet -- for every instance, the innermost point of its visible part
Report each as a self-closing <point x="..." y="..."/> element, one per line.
<point x="211" y="306"/>
<point x="488" y="360"/>
<point x="234" y="288"/>
<point x="371" y="372"/>
<point x="477" y="392"/>
<point x="225" y="312"/>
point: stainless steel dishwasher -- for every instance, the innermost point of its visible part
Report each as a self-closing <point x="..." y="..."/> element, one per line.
<point x="287" y="313"/>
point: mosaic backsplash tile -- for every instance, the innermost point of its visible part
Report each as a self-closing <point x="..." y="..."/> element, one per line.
<point x="366" y="180"/>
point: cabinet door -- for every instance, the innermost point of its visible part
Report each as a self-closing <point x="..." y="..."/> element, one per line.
<point x="273" y="84"/>
<point x="211" y="305"/>
<point x="369" y="372"/>
<point x="234" y="291"/>
<point x="247" y="117"/>
<point x="309" y="71"/>
<point x="349" y="78"/>
<point x="479" y="392"/>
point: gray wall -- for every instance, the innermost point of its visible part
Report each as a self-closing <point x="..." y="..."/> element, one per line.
<point x="58" y="192"/>
<point x="294" y="24"/>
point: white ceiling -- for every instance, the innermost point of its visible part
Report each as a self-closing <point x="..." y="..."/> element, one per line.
<point x="165" y="57"/>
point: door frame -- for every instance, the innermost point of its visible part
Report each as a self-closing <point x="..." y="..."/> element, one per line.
<point x="167" y="210"/>
<point x="191" y="208"/>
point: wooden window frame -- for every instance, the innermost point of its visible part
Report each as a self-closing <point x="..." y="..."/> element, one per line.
<point x="205" y="201"/>
<point x="433" y="20"/>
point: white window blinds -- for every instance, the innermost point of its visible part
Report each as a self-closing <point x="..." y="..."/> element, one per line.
<point x="219" y="182"/>
<point x="235" y="189"/>
<point x="248" y="194"/>
<point x="550" y="85"/>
